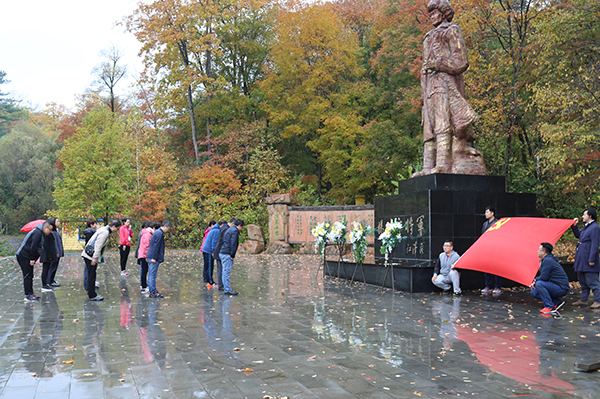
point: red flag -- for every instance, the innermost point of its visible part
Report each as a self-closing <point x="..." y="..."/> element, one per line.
<point x="509" y="248"/>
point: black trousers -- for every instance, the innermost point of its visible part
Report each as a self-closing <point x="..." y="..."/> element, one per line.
<point x="27" y="270"/>
<point x="52" y="272"/>
<point x="91" y="270"/>
<point x="143" y="272"/>
<point x="124" y="251"/>
<point x="45" y="272"/>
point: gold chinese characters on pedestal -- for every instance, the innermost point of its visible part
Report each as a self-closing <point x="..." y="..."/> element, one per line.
<point x="447" y="116"/>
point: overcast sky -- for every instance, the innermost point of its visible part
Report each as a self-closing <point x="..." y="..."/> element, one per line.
<point x="49" y="48"/>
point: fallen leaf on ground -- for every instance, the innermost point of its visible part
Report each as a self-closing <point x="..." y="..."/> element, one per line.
<point x="246" y="370"/>
<point x="68" y="361"/>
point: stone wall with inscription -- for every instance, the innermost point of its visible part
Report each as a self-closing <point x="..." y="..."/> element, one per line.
<point x="302" y="219"/>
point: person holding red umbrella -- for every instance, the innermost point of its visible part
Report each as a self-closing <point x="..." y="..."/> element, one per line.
<point x="29" y="251"/>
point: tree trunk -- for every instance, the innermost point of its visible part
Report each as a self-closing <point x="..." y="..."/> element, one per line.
<point x="192" y="120"/>
<point x="208" y="94"/>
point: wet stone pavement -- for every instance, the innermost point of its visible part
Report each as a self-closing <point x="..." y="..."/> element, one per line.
<point x="287" y="334"/>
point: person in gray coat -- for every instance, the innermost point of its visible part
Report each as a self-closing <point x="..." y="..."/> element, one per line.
<point x="99" y="241"/>
<point x="444" y="274"/>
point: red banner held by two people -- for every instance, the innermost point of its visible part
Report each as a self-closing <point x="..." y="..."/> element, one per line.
<point x="509" y="247"/>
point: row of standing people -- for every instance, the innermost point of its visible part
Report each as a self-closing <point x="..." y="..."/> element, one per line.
<point x="150" y="252"/>
<point x="220" y="243"/>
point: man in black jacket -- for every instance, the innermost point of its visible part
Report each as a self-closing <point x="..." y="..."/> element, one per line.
<point x="228" y="251"/>
<point x="31" y="249"/>
<point x="60" y="253"/>
<point x="47" y="257"/>
<point x="224" y="226"/>
<point x="490" y="216"/>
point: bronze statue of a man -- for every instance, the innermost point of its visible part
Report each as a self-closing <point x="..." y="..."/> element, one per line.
<point x="447" y="117"/>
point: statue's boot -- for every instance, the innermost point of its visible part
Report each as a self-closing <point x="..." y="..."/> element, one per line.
<point x="428" y="159"/>
<point x="443" y="159"/>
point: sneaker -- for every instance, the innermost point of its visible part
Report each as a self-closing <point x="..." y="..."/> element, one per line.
<point x="595" y="305"/>
<point x="31" y="298"/>
<point x="156" y="295"/>
<point x="97" y="298"/>
<point x="221" y="288"/>
<point x="546" y="310"/>
<point x="579" y="303"/>
<point x="55" y="284"/>
<point x="231" y="293"/>
<point x="457" y="293"/>
<point x="124" y="273"/>
<point x="560" y="305"/>
<point x="215" y="285"/>
<point x="97" y="284"/>
<point x="208" y="285"/>
<point x="486" y="291"/>
<point x="496" y="291"/>
<point x="47" y="288"/>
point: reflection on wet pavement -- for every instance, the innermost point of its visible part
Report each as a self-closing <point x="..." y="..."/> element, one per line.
<point x="286" y="334"/>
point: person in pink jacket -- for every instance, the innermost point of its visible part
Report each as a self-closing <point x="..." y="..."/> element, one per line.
<point x="125" y="236"/>
<point x="145" y="236"/>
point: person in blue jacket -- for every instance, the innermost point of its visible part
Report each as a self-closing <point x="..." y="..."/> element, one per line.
<point x="587" y="261"/>
<point x="155" y="256"/>
<point x="228" y="251"/>
<point x="209" y="249"/>
<point x="553" y="283"/>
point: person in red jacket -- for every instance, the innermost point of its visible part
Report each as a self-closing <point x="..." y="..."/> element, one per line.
<point x="125" y="235"/>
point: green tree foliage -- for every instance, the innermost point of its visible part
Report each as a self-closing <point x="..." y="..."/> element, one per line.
<point x="27" y="158"/>
<point x="98" y="175"/>
<point x="321" y="99"/>
<point x="312" y="63"/>
<point x="566" y="96"/>
<point x="9" y="112"/>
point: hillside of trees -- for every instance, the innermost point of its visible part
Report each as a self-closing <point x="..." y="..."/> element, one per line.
<point x="242" y="99"/>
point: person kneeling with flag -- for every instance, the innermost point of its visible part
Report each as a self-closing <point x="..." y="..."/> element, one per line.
<point x="552" y="283"/>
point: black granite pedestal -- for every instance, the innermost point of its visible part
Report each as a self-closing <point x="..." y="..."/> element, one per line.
<point x="436" y="208"/>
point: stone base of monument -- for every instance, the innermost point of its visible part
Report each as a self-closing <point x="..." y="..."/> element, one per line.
<point x="436" y="208"/>
<point x="406" y="278"/>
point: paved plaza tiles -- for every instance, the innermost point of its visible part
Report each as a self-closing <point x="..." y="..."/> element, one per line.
<point x="287" y="334"/>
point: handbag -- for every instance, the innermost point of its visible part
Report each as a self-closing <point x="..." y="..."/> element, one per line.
<point x="90" y="246"/>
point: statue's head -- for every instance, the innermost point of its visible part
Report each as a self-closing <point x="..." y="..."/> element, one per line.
<point x="443" y="6"/>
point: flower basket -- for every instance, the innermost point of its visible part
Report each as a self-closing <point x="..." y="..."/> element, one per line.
<point x="389" y="239"/>
<point x="358" y="239"/>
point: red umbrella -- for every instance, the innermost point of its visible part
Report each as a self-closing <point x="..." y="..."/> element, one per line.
<point x="509" y="248"/>
<point x="31" y="225"/>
